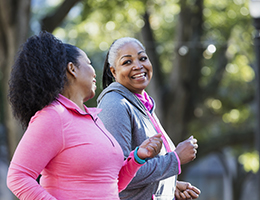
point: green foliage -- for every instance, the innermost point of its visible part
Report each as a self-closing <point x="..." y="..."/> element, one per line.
<point x="250" y="161"/>
<point x="227" y="26"/>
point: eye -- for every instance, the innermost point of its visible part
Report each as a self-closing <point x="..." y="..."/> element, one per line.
<point x="127" y="62"/>
<point x="143" y="58"/>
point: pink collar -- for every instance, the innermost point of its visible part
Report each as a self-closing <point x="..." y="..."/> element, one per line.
<point x="72" y="106"/>
<point x="146" y="100"/>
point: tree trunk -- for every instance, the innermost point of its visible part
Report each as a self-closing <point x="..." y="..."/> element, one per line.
<point x="156" y="85"/>
<point x="14" y="23"/>
<point x="179" y="101"/>
<point x="50" y="22"/>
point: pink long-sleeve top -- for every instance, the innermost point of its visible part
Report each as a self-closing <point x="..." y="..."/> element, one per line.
<point x="77" y="157"/>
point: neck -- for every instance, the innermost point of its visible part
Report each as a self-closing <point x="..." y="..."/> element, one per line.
<point x="75" y="97"/>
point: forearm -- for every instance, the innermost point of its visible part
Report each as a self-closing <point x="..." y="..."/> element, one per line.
<point x="155" y="169"/>
<point x="128" y="171"/>
<point x="34" y="152"/>
<point x="22" y="182"/>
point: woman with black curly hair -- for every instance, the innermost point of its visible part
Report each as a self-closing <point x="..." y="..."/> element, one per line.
<point x="64" y="140"/>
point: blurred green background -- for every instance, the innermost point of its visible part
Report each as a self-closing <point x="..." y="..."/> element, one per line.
<point x="204" y="80"/>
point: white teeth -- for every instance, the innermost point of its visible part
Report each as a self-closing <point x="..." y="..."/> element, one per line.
<point x="139" y="75"/>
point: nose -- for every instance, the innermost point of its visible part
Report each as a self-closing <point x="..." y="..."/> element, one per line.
<point x="137" y="66"/>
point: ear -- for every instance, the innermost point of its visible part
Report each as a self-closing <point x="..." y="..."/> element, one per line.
<point x="71" y="69"/>
<point x="113" y="71"/>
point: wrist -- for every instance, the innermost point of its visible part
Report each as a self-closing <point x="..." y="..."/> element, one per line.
<point x="137" y="159"/>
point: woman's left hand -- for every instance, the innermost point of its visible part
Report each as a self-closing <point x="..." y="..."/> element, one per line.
<point x="185" y="191"/>
<point x="150" y="147"/>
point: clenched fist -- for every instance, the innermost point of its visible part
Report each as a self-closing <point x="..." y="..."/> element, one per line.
<point x="186" y="150"/>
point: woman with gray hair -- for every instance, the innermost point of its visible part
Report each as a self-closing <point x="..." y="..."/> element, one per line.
<point x="128" y="113"/>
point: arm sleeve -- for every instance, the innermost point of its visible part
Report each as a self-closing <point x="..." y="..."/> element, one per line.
<point x="116" y="117"/>
<point x="41" y="142"/>
<point x="128" y="171"/>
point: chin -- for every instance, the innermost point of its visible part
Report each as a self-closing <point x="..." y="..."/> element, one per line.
<point x="143" y="87"/>
<point x="92" y="95"/>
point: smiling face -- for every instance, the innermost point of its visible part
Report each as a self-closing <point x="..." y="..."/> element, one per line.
<point x="86" y="76"/>
<point x="132" y="68"/>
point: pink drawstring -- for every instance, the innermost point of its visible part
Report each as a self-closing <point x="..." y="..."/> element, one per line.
<point x="165" y="142"/>
<point x="147" y="102"/>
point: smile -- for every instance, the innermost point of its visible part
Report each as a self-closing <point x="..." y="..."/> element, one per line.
<point x="142" y="75"/>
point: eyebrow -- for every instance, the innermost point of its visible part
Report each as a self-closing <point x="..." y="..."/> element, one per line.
<point x="142" y="51"/>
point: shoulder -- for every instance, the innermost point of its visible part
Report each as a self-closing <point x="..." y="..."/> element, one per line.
<point x="51" y="113"/>
<point x="113" y="100"/>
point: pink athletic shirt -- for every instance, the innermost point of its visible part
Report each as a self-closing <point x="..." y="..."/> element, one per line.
<point x="77" y="157"/>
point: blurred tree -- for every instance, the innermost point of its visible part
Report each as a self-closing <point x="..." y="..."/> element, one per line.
<point x="14" y="23"/>
<point x="54" y="19"/>
<point x="14" y="27"/>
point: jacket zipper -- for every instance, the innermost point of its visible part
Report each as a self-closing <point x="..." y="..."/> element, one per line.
<point x="98" y="126"/>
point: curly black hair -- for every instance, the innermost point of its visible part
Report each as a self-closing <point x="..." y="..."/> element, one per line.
<point x="39" y="74"/>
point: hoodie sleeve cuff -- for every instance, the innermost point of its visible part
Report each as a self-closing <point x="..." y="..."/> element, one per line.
<point x="179" y="162"/>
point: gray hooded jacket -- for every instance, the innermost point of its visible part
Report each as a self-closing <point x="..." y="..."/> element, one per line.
<point x="125" y="117"/>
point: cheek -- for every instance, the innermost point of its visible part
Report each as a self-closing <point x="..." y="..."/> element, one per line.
<point x="150" y="70"/>
<point x="151" y="74"/>
<point x="121" y="74"/>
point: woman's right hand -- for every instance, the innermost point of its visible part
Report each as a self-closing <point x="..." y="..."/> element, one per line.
<point x="186" y="150"/>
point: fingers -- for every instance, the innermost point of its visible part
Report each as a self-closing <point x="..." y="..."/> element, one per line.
<point x="182" y="195"/>
<point x="150" y="140"/>
<point x="181" y="185"/>
<point x="158" y="135"/>
<point x="187" y="150"/>
<point x="187" y="194"/>
<point x="154" y="147"/>
<point x="184" y="190"/>
<point x="194" y="146"/>
<point x="192" y="194"/>
<point x="193" y="141"/>
<point x="156" y="143"/>
<point x="150" y="147"/>
<point x="194" y="190"/>
<point x="177" y="193"/>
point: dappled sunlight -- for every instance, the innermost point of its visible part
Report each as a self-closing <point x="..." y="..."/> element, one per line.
<point x="155" y="22"/>
<point x="103" y="46"/>
<point x="205" y="71"/>
<point x="110" y="26"/>
<point x="183" y="50"/>
<point x="53" y="2"/>
<point x="92" y="28"/>
<point x="73" y="33"/>
<point x="236" y="116"/>
<point x="240" y="70"/>
<point x="60" y="33"/>
<point x="250" y="161"/>
<point x="244" y="11"/>
<point x="209" y="51"/>
<point x="232" y="14"/>
<point x="214" y="104"/>
<point x="232" y="68"/>
<point x="211" y="48"/>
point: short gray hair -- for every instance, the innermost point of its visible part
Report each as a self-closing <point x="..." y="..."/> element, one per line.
<point x="117" y="44"/>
